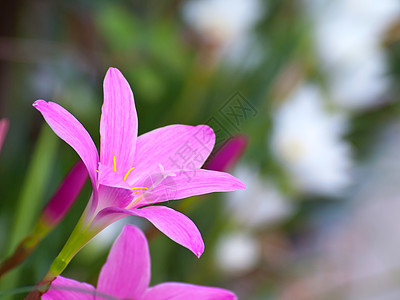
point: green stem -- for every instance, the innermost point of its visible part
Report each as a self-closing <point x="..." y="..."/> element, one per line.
<point x="79" y="237"/>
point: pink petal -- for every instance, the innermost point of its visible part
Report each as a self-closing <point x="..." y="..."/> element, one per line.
<point x="184" y="291"/>
<point x="64" y="288"/>
<point x="175" y="225"/>
<point x="118" y="125"/>
<point x="126" y="274"/>
<point x="113" y="197"/>
<point x="174" y="147"/>
<point x="3" y="130"/>
<point x="68" y="128"/>
<point x="108" y="177"/>
<point x="65" y="195"/>
<point x="106" y="217"/>
<point x="191" y="183"/>
<point x="227" y="156"/>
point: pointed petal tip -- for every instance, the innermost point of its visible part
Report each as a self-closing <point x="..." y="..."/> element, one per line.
<point x="206" y="128"/>
<point x="113" y="71"/>
<point x="110" y="69"/>
<point x="207" y="131"/>
<point x="199" y="250"/>
<point x="38" y="103"/>
<point x="174" y="225"/>
<point x="240" y="185"/>
<point x="237" y="184"/>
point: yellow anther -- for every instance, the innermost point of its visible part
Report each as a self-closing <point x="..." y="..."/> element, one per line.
<point x="135" y="193"/>
<point x="97" y="171"/>
<point x="127" y="173"/>
<point x="115" y="164"/>
<point x="139" y="187"/>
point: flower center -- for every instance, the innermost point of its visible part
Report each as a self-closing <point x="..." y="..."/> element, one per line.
<point x="126" y="176"/>
<point x="159" y="178"/>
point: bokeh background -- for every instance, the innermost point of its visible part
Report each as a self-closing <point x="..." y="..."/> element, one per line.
<point x="311" y="85"/>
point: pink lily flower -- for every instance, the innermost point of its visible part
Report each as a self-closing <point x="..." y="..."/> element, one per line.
<point x="126" y="275"/>
<point x="133" y="173"/>
<point x="3" y="131"/>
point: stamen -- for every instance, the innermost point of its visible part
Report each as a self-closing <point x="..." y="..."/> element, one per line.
<point x="97" y="171"/>
<point x="139" y="187"/>
<point x="127" y="173"/>
<point x="115" y="164"/>
<point x="134" y="193"/>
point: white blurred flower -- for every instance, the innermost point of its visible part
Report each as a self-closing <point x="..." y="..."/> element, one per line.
<point x="363" y="84"/>
<point x="223" y="23"/>
<point x="237" y="253"/>
<point x="348" y="39"/>
<point x="260" y="204"/>
<point x="308" y="141"/>
<point x="358" y="256"/>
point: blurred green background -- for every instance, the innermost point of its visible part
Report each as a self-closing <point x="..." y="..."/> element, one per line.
<point x="314" y="87"/>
